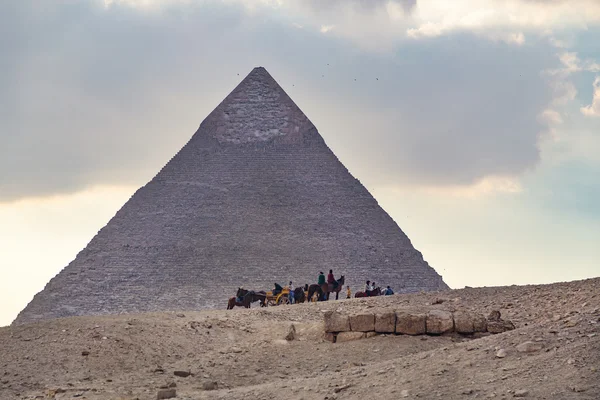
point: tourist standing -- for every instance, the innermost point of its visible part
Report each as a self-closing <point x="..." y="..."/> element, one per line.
<point x="291" y="296"/>
<point x="348" y="292"/>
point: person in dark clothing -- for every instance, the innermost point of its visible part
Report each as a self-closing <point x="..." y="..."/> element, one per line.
<point x="389" y="291"/>
<point x="277" y="289"/>
<point x="330" y="277"/>
<point x="321" y="279"/>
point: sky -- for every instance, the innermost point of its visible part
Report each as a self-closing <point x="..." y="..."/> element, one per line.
<point x="475" y="124"/>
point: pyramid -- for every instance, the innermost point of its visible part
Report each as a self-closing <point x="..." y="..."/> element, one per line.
<point x="255" y="197"/>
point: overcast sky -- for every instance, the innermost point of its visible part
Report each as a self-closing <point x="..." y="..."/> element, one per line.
<point x="475" y="124"/>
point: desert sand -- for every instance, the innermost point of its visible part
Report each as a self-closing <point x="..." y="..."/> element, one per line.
<point x="554" y="352"/>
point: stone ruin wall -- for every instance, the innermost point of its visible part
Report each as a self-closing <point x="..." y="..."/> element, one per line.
<point x="340" y="327"/>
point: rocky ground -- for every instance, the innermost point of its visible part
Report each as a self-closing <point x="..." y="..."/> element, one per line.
<point x="553" y="354"/>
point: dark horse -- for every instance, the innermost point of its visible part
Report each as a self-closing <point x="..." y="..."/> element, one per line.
<point x="374" y="292"/>
<point x="299" y="295"/>
<point x="233" y="301"/>
<point x="247" y="298"/>
<point x="336" y="287"/>
<point x="253" y="296"/>
<point x="312" y="289"/>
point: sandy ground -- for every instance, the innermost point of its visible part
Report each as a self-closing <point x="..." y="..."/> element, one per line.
<point x="243" y="353"/>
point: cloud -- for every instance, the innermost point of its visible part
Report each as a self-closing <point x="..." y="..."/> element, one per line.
<point x="593" y="110"/>
<point x="94" y="95"/>
<point x="106" y="95"/>
<point x="470" y="115"/>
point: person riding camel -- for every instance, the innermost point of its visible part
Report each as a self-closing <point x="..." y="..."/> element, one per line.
<point x="321" y="279"/>
<point x="368" y="288"/>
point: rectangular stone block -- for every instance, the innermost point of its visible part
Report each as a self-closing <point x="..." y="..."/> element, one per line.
<point x="336" y="322"/>
<point x="362" y="322"/>
<point x="439" y="322"/>
<point x="410" y="324"/>
<point x="463" y="322"/>
<point x="385" y="322"/>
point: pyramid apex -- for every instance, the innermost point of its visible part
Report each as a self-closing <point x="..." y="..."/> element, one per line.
<point x="258" y="110"/>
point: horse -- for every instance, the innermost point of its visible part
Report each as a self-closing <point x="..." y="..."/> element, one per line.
<point x="374" y="292"/>
<point x="336" y="287"/>
<point x="253" y="296"/>
<point x="233" y="301"/>
<point x="314" y="288"/>
<point x="299" y="295"/>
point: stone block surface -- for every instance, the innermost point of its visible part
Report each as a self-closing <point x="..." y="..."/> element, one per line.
<point x="410" y="323"/>
<point x="464" y="322"/>
<point x="362" y="322"/>
<point x="439" y="322"/>
<point x="336" y="322"/>
<point x="385" y="322"/>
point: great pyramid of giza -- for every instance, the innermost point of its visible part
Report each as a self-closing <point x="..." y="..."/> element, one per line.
<point x="255" y="197"/>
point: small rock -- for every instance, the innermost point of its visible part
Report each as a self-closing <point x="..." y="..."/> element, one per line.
<point x="499" y="326"/>
<point x="494" y="316"/>
<point x="85" y="353"/>
<point x="339" y="389"/>
<point x="180" y="315"/>
<point x="210" y="385"/>
<point x="166" y="394"/>
<point x="571" y="323"/>
<point x="501" y="353"/>
<point x="291" y="334"/>
<point x="521" y="393"/>
<point x="529" y="347"/>
<point x="182" y="374"/>
<point x="236" y="350"/>
<point x="404" y="393"/>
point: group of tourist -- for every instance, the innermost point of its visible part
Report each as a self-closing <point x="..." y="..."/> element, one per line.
<point x="370" y="287"/>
